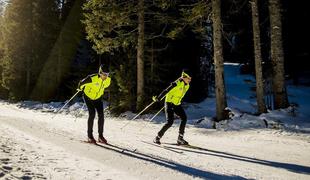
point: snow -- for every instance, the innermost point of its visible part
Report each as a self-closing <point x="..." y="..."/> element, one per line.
<point x="36" y="143"/>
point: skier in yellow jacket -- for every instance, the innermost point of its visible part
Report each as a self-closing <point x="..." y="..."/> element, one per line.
<point x="93" y="87"/>
<point x="174" y="94"/>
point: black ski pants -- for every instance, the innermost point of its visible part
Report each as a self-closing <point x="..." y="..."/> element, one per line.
<point x="92" y="106"/>
<point x="170" y="109"/>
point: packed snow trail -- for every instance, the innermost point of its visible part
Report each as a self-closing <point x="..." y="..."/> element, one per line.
<point x="107" y="161"/>
<point x="35" y="146"/>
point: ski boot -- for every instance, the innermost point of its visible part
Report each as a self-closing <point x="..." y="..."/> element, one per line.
<point x="101" y="139"/>
<point x="157" y="140"/>
<point x="91" y="141"/>
<point x="181" y="141"/>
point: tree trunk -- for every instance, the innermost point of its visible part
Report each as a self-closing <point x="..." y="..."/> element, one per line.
<point x="220" y="92"/>
<point x="140" y="56"/>
<point x="32" y="55"/>
<point x="28" y="79"/>
<point x="258" y="59"/>
<point x="277" y="56"/>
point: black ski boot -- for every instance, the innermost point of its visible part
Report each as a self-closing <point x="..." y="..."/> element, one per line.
<point x="102" y="140"/>
<point x="181" y="141"/>
<point x="157" y="140"/>
<point x="91" y="141"/>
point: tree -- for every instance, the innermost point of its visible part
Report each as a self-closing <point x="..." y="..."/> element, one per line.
<point x="119" y="26"/>
<point x="151" y="31"/>
<point x="277" y="56"/>
<point x="18" y="54"/>
<point x="58" y="63"/>
<point x="112" y="28"/>
<point x="258" y="58"/>
<point x="1" y="33"/>
<point x="30" y="30"/>
<point x="3" y="91"/>
<point x="140" y="56"/>
<point x="220" y="92"/>
<point x="45" y="34"/>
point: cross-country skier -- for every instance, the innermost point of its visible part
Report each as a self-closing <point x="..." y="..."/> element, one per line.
<point x="93" y="87"/>
<point x="174" y="94"/>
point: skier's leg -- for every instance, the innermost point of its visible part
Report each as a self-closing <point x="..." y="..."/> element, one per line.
<point x="99" y="108"/>
<point x="181" y="113"/>
<point x="169" y="117"/>
<point x="91" y="116"/>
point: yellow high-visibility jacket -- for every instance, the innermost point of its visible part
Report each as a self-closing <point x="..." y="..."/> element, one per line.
<point x="93" y="86"/>
<point x="175" y="92"/>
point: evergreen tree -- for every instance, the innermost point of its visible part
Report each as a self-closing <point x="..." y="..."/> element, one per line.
<point x="140" y="56"/>
<point x="1" y="34"/>
<point x="62" y="54"/>
<point x="123" y="88"/>
<point x="277" y="55"/>
<point x="258" y="58"/>
<point x="116" y="25"/>
<point x="113" y="27"/>
<point x="45" y="35"/>
<point x="18" y="25"/>
<point x="220" y="92"/>
<point x="29" y="29"/>
<point x="3" y="91"/>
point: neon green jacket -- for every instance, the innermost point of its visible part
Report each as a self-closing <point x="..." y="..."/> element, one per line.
<point x="93" y="86"/>
<point x="175" y="92"/>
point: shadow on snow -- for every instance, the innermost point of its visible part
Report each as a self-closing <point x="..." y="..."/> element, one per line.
<point x="290" y="167"/>
<point x="168" y="164"/>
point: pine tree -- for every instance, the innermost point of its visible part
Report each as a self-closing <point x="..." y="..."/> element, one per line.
<point x="123" y="88"/>
<point x="114" y="27"/>
<point x="220" y="91"/>
<point x="30" y="30"/>
<point x="1" y="34"/>
<point x="3" y="91"/>
<point x="258" y="58"/>
<point x="57" y="66"/>
<point x="18" y="25"/>
<point x="45" y="35"/>
<point x="277" y="55"/>
<point x="140" y="56"/>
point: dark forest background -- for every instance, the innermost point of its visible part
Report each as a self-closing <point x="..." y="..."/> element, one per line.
<point x="47" y="46"/>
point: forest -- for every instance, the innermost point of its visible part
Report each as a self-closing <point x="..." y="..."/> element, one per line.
<point x="154" y="89"/>
<point x="48" y="46"/>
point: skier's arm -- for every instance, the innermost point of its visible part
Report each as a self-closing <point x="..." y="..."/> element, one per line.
<point x="83" y="82"/>
<point x="165" y="91"/>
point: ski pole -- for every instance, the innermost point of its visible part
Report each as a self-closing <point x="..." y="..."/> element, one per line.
<point x="152" y="118"/>
<point x="143" y="111"/>
<point x="157" y="113"/>
<point x="139" y="113"/>
<point x="66" y="103"/>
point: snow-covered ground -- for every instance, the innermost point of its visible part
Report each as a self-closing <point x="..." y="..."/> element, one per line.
<point x="36" y="144"/>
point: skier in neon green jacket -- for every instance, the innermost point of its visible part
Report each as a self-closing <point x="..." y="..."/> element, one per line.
<point x="174" y="95"/>
<point x="93" y="87"/>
